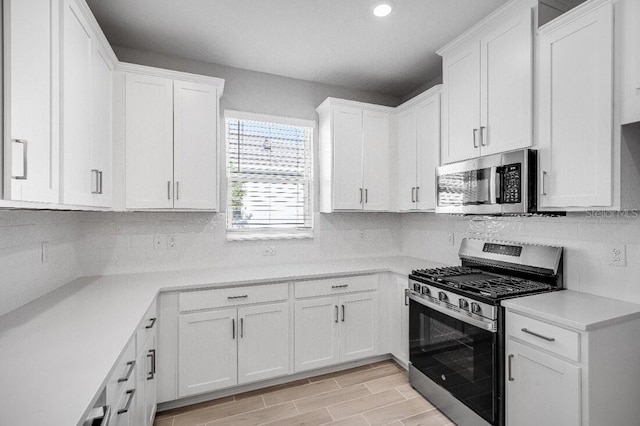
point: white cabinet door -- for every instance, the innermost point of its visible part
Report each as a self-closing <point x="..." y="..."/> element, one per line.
<point x="507" y="86"/>
<point x="195" y="146"/>
<point x="407" y="174"/>
<point x="316" y="333"/>
<point x="101" y="135"/>
<point x="207" y="352"/>
<point x="31" y="95"/>
<point x="575" y="111"/>
<point x="119" y="417"/>
<point x="359" y="326"/>
<point x="544" y="391"/>
<point x="263" y="345"/>
<point x="77" y="84"/>
<point x="347" y="157"/>
<point x="149" y="141"/>
<point x="427" y="151"/>
<point x="150" y="383"/>
<point x="375" y="148"/>
<point x="461" y="104"/>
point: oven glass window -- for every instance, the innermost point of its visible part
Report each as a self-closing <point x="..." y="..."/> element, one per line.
<point x="458" y="356"/>
<point x="464" y="188"/>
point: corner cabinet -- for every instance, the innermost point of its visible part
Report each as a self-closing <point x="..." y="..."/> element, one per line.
<point x="418" y="123"/>
<point x="487" y="94"/>
<point x="336" y="320"/>
<point x="31" y="100"/>
<point x="585" y="155"/>
<point x="354" y="156"/>
<point x="170" y="126"/>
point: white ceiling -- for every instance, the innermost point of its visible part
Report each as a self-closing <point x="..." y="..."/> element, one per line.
<point x="336" y="42"/>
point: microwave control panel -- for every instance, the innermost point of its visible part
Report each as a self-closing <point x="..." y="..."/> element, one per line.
<point x="512" y="183"/>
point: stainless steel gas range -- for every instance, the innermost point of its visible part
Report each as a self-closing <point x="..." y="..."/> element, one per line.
<point x="456" y="324"/>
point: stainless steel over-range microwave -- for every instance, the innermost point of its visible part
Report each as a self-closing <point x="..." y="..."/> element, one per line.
<point x="495" y="184"/>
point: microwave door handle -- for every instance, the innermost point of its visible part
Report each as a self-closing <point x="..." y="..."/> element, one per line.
<point x="494" y="186"/>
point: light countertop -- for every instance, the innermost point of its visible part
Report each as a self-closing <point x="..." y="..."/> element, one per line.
<point x="57" y="351"/>
<point x="573" y="309"/>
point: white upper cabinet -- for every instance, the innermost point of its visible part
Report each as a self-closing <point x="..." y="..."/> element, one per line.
<point x="87" y="65"/>
<point x="354" y="156"/>
<point x="627" y="13"/>
<point x="171" y="139"/>
<point x="31" y="95"/>
<point x="418" y="152"/>
<point x="195" y="146"/>
<point x="487" y="96"/>
<point x="575" y="114"/>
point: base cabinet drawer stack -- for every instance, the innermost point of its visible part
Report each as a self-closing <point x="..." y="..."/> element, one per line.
<point x="221" y="345"/>
<point x="334" y="325"/>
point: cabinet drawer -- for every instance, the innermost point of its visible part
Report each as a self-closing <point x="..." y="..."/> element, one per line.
<point x="148" y="325"/>
<point x="124" y="374"/>
<point x="224" y="297"/>
<point x="560" y="341"/>
<point x="335" y="286"/>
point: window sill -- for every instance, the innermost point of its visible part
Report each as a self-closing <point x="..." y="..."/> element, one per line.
<point x="261" y="236"/>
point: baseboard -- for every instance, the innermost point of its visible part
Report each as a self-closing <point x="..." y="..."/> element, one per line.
<point x="196" y="399"/>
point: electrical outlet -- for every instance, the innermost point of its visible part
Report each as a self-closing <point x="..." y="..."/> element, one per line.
<point x="362" y="234"/>
<point x="45" y="252"/>
<point x="172" y="243"/>
<point x="450" y="239"/>
<point x="269" y="251"/>
<point x="617" y="255"/>
<point x="159" y="242"/>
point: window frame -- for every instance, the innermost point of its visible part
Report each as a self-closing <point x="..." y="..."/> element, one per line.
<point x="269" y="233"/>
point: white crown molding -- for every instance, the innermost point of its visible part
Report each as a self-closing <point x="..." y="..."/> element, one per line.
<point x="175" y="75"/>
<point x="478" y="28"/>
<point x="104" y="43"/>
<point x="573" y="14"/>
<point x="332" y="102"/>
<point x="437" y="89"/>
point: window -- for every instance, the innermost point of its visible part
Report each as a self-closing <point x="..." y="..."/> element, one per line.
<point x="268" y="176"/>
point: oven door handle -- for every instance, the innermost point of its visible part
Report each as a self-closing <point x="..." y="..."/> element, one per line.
<point x="487" y="325"/>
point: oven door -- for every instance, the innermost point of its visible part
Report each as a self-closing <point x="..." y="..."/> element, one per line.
<point x="457" y="355"/>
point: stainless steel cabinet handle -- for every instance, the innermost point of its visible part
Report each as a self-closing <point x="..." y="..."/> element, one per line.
<point x="417" y="194"/>
<point x="244" y="296"/>
<point x="483" y="132"/>
<point x="100" y="180"/>
<point x="24" y="144"/>
<point x="233" y="329"/>
<point x="510" y="376"/>
<point x="177" y="190"/>
<point x="343" y="313"/>
<point x="544" y="181"/>
<point x="95" y="174"/>
<point x="336" y="306"/>
<point x="152" y="355"/>
<point x="340" y="286"/>
<point x="153" y="322"/>
<point x="168" y="190"/>
<point x="361" y="196"/>
<point x="241" y="328"/>
<point x="413" y="196"/>
<point x="131" y="393"/>
<point x="540" y="336"/>
<point x="366" y="195"/>
<point x="131" y="365"/>
<point x="406" y="297"/>
<point x="475" y="137"/>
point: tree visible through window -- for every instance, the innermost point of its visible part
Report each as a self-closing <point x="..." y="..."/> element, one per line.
<point x="269" y="177"/>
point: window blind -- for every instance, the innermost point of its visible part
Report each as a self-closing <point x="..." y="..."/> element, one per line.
<point x="268" y="177"/>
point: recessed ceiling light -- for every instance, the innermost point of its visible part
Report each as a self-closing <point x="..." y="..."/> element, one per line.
<point x="383" y="9"/>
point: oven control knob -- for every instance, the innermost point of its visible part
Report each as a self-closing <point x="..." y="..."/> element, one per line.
<point x="442" y="296"/>
<point x="475" y="308"/>
<point x="416" y="287"/>
<point x="463" y="304"/>
<point x="425" y="291"/>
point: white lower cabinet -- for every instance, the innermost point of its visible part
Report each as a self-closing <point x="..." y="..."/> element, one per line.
<point x="222" y="348"/>
<point x="542" y="390"/>
<point x="335" y="329"/>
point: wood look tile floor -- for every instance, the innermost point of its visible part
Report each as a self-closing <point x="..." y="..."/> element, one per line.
<point x="374" y="394"/>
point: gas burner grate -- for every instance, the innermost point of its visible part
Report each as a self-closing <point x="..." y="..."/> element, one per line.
<point x="447" y="271"/>
<point x="503" y="286"/>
